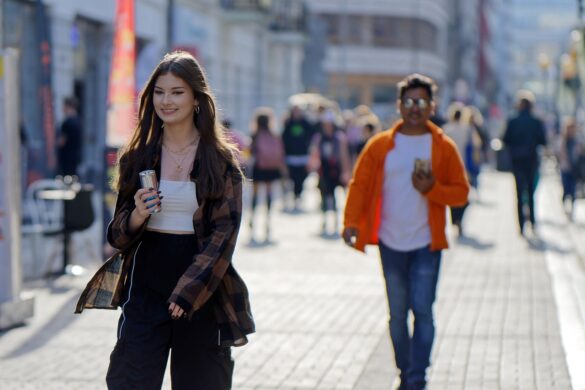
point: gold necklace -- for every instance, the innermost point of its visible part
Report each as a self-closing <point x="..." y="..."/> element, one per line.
<point x="180" y="151"/>
<point x="179" y="163"/>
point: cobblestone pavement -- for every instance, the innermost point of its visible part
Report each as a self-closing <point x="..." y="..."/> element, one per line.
<point x="321" y="311"/>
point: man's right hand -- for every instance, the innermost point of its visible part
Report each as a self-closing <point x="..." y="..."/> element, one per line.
<point x="350" y="236"/>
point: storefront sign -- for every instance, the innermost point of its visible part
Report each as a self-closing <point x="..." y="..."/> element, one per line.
<point x="122" y="84"/>
<point x="45" y="87"/>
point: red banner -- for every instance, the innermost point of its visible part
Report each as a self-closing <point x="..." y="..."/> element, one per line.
<point x="45" y="89"/>
<point x="122" y="89"/>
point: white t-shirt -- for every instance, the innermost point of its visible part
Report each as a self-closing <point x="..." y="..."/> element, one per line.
<point x="177" y="207"/>
<point x="405" y="215"/>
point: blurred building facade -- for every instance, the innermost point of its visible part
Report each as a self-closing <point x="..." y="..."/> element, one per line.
<point x="251" y="49"/>
<point x="371" y="45"/>
<point x="539" y="34"/>
<point x="478" y="54"/>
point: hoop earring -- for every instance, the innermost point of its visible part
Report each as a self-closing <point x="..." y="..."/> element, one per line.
<point x="197" y="110"/>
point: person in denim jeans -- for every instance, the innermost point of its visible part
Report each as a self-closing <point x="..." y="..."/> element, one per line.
<point x="402" y="183"/>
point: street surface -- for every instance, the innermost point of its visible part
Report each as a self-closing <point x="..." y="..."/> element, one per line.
<point x="510" y="311"/>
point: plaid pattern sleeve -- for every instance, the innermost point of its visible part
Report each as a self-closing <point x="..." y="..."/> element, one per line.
<point x="104" y="290"/>
<point x="212" y="271"/>
<point x="118" y="234"/>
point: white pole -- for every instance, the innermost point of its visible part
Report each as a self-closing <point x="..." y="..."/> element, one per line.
<point x="14" y="307"/>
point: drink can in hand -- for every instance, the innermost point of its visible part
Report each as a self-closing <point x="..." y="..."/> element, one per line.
<point x="148" y="180"/>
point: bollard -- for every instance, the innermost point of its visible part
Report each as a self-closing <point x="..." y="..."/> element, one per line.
<point x="15" y="307"/>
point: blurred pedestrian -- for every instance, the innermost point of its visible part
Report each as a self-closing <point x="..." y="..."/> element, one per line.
<point x="570" y="151"/>
<point x="403" y="211"/>
<point x="436" y="117"/>
<point x="368" y="131"/>
<point x="240" y="140"/>
<point x="353" y="132"/>
<point x="69" y="140"/>
<point x="297" y="136"/>
<point x="178" y="289"/>
<point x="331" y="151"/>
<point x="523" y="135"/>
<point x="482" y="138"/>
<point x="459" y="130"/>
<point x="268" y="154"/>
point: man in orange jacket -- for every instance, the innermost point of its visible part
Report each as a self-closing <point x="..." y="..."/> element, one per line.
<point x="403" y="181"/>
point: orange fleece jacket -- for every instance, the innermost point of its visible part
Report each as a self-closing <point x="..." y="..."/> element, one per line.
<point x="364" y="198"/>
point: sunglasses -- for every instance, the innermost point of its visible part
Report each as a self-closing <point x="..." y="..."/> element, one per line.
<point x="420" y="103"/>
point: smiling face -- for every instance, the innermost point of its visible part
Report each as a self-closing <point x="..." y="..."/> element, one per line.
<point x="174" y="101"/>
<point x="414" y="112"/>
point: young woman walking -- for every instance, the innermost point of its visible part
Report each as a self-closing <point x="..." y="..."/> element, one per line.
<point x="180" y="294"/>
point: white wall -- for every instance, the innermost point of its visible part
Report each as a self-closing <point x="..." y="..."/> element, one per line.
<point x="150" y="24"/>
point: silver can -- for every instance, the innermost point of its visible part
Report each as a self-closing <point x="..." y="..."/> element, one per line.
<point x="148" y="180"/>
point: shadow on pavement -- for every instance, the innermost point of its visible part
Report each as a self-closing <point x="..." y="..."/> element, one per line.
<point x="474" y="243"/>
<point x="541" y="245"/>
<point x="330" y="236"/>
<point x="255" y="244"/>
<point x="484" y="203"/>
<point x="62" y="319"/>
<point x="552" y="223"/>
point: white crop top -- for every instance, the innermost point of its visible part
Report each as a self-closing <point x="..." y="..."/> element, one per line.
<point x="177" y="207"/>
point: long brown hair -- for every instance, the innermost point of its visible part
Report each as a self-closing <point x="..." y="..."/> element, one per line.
<point x="143" y="150"/>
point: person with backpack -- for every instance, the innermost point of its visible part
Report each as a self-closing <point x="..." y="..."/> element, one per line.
<point x="268" y="152"/>
<point x="297" y="136"/>
<point x="331" y="152"/>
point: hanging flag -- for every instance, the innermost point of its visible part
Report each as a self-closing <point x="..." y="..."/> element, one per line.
<point x="121" y="117"/>
<point x="45" y="88"/>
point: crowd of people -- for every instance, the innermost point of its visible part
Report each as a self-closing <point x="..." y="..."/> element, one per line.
<point x="172" y="273"/>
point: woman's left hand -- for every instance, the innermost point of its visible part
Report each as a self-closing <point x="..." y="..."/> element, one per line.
<point x="175" y="311"/>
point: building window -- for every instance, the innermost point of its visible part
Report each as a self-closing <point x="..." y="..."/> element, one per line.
<point x="354" y="29"/>
<point x="333" y="28"/>
<point x="404" y="33"/>
<point x="384" y="31"/>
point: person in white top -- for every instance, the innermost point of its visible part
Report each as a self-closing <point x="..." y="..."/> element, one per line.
<point x="181" y="296"/>
<point x="459" y="130"/>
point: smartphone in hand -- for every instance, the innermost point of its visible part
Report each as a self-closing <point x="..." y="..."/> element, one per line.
<point x="422" y="166"/>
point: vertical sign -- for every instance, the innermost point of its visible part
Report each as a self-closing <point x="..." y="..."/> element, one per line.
<point x="121" y="116"/>
<point x="45" y="87"/>
<point x="122" y="87"/>
<point x="13" y="309"/>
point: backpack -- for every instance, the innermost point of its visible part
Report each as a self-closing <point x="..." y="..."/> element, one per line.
<point x="330" y="153"/>
<point x="269" y="151"/>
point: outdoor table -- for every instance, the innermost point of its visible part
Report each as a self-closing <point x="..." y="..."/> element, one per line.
<point x="63" y="195"/>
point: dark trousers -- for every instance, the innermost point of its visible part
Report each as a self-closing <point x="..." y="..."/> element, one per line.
<point x="298" y="174"/>
<point x="327" y="188"/>
<point x="525" y="178"/>
<point x="569" y="185"/>
<point x="147" y="335"/>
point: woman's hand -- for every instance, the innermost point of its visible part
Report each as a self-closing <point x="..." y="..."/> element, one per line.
<point x="176" y="312"/>
<point x="144" y="200"/>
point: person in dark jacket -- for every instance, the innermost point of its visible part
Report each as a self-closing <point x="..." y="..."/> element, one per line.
<point x="297" y="136"/>
<point x="524" y="134"/>
<point x="69" y="141"/>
